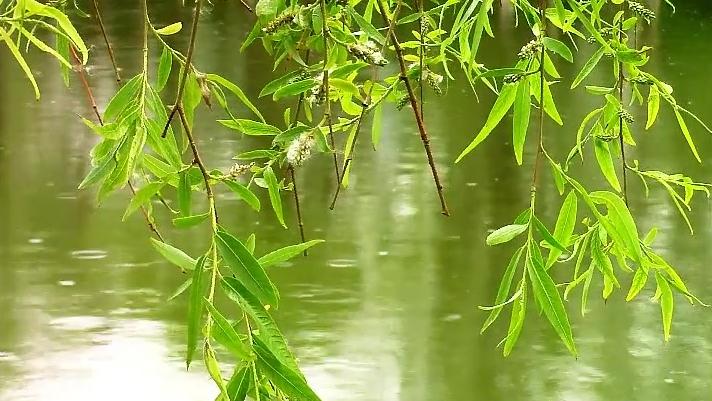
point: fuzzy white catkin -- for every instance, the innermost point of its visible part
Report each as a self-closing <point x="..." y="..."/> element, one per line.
<point x="300" y="149"/>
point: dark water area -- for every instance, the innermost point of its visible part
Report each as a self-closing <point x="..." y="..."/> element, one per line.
<point x="387" y="309"/>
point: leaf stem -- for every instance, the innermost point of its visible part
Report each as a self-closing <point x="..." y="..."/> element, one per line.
<point x="620" y="118"/>
<point x="186" y="67"/>
<point x="109" y="48"/>
<point x="298" y="208"/>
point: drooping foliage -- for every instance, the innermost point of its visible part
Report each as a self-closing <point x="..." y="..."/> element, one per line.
<point x="336" y="53"/>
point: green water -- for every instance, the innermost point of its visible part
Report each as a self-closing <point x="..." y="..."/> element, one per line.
<point x="387" y="310"/>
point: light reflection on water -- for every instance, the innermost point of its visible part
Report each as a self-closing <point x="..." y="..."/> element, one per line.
<point x="387" y="310"/>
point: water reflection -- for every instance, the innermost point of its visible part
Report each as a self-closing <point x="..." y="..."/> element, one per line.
<point x="385" y="312"/>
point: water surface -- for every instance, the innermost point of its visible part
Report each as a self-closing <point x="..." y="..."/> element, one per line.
<point x="387" y="310"/>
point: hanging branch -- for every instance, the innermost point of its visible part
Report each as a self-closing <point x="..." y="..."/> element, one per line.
<point x="298" y="207"/>
<point x="416" y="111"/>
<point x="365" y="107"/>
<point x="85" y="83"/>
<point x="620" y="115"/>
<point x="421" y="55"/>
<point x="90" y="96"/>
<point x="542" y="82"/>
<point x="186" y="67"/>
<point x="326" y="88"/>
<point x="109" y="48"/>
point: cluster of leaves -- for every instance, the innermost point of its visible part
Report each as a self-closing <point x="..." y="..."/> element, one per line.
<point x="609" y="230"/>
<point x="139" y="147"/>
<point x="21" y="22"/>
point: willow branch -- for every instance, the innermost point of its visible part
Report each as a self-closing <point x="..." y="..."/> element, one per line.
<point x="90" y="95"/>
<point x="620" y="117"/>
<point x="213" y="211"/>
<point x="416" y="111"/>
<point x="421" y="56"/>
<point x="186" y="67"/>
<point x="109" y="48"/>
<point x="326" y="88"/>
<point x="542" y="82"/>
<point x="365" y="108"/>
<point x="296" y="202"/>
<point x="85" y="83"/>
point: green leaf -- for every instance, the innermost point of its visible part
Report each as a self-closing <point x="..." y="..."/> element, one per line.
<point x="266" y="8"/>
<point x="190" y="221"/>
<point x="653" y="106"/>
<point x="503" y="290"/>
<point x="239" y="383"/>
<point x="588" y="67"/>
<point x="376" y="125"/>
<point x="564" y="228"/>
<point x="15" y="51"/>
<point x="541" y="228"/>
<point x="602" y="261"/>
<point x="667" y="304"/>
<point x="195" y="309"/>
<point x="243" y="193"/>
<point x="174" y="255"/>
<point x="506" y="234"/>
<point x="235" y="91"/>
<point x="522" y="111"/>
<point x="142" y="196"/>
<point x="227" y="336"/>
<point x="266" y="327"/>
<point x="549" y="299"/>
<point x="559" y="48"/>
<point x="620" y="224"/>
<point x="287" y="380"/>
<point x="250" y="245"/>
<point x="605" y="162"/>
<point x="640" y="278"/>
<point x="121" y="100"/>
<point x="246" y="268"/>
<point x="181" y="289"/>
<point x="516" y="321"/>
<point x="171" y="29"/>
<point x="366" y="26"/>
<point x="164" y="68"/>
<point x="252" y="128"/>
<point x="273" y="189"/>
<point x="499" y="110"/>
<point x="294" y="88"/>
<point x="32" y="7"/>
<point x="286" y="253"/>
<point x="213" y="368"/>
<point x="550" y="105"/>
<point x="686" y="133"/>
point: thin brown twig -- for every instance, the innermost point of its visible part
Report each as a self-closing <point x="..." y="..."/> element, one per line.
<point x="416" y="111"/>
<point x="542" y="82"/>
<point x="247" y="6"/>
<point x="196" y="157"/>
<point x="85" y="83"/>
<point x="296" y="201"/>
<point x="186" y="67"/>
<point x="420" y="57"/>
<point x="109" y="48"/>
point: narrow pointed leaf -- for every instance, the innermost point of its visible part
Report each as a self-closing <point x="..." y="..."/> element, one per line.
<point x="286" y="253"/>
<point x="246" y="268"/>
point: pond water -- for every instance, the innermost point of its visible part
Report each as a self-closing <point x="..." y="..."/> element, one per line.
<point x="388" y="309"/>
